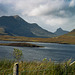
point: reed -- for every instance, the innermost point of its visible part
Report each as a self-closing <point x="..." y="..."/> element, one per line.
<point x="43" y="67"/>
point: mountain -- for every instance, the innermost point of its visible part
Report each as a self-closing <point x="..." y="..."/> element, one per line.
<point x="15" y="25"/>
<point x="60" y="31"/>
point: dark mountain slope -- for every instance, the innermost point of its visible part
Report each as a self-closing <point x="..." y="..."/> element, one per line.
<point x="15" y="25"/>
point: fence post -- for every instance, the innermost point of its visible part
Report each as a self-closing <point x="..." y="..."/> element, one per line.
<point x="15" y="69"/>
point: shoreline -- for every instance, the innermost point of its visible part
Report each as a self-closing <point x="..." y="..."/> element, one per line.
<point x="39" y="42"/>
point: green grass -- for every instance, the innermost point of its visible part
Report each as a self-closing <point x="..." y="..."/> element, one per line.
<point x="44" y="67"/>
<point x="6" y="67"/>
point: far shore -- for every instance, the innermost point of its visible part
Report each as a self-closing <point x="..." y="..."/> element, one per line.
<point x="60" y="40"/>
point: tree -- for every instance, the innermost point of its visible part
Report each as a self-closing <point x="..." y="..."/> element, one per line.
<point x="17" y="54"/>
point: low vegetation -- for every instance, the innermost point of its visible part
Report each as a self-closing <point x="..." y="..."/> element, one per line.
<point x="64" y="39"/>
<point x="17" y="54"/>
<point x="44" y="67"/>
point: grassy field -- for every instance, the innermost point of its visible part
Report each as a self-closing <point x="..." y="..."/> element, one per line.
<point x="64" y="39"/>
<point x="44" y="67"/>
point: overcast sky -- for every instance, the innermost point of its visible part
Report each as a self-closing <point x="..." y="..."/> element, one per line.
<point x="49" y="14"/>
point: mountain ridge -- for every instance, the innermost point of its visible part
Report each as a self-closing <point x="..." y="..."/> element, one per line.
<point x="15" y="25"/>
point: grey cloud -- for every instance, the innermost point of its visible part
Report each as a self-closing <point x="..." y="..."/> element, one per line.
<point x="3" y="9"/>
<point x="8" y="9"/>
<point x="54" y="8"/>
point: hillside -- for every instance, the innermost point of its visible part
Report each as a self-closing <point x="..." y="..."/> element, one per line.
<point x="72" y="33"/>
<point x="60" y="31"/>
<point x="15" y="25"/>
<point x="68" y="38"/>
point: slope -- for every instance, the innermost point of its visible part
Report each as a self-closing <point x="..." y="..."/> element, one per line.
<point x="15" y="25"/>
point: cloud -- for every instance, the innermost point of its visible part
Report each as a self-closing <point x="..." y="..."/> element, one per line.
<point x="56" y="7"/>
<point x="56" y="21"/>
<point x="40" y="7"/>
<point x="3" y="9"/>
<point x="47" y="8"/>
<point x="72" y="3"/>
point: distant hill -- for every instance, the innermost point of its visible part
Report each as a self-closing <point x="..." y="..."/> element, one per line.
<point x="72" y="33"/>
<point x="60" y="31"/>
<point x="68" y="38"/>
<point x="15" y="25"/>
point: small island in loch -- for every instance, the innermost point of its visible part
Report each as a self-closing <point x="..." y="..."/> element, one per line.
<point x="20" y="44"/>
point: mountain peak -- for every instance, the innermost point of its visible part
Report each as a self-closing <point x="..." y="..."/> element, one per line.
<point x="16" y="16"/>
<point x="60" y="31"/>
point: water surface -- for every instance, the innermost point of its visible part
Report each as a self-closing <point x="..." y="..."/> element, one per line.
<point x="56" y="52"/>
